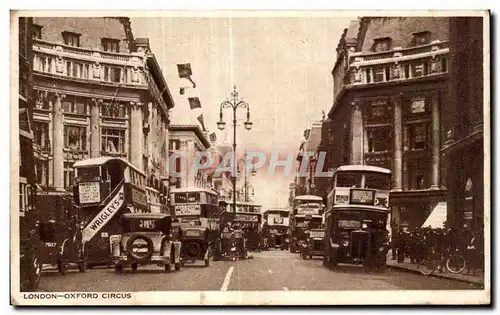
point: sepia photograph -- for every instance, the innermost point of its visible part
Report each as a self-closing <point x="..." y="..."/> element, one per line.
<point x="250" y="157"/>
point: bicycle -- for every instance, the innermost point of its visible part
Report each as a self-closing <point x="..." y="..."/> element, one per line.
<point x="456" y="262"/>
<point x="428" y="264"/>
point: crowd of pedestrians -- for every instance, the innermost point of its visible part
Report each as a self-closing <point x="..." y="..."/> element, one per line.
<point x="419" y="243"/>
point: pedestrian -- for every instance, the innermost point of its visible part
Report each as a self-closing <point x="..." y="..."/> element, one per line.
<point x="472" y="253"/>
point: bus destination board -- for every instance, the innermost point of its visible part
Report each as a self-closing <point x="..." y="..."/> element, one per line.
<point x="88" y="192"/>
<point x="187" y="210"/>
<point x="363" y="197"/>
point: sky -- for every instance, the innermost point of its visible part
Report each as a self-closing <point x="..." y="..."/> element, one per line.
<point x="281" y="66"/>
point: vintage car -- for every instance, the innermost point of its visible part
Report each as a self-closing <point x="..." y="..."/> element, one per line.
<point x="313" y="245"/>
<point x="146" y="238"/>
<point x="60" y="232"/>
<point x="195" y="244"/>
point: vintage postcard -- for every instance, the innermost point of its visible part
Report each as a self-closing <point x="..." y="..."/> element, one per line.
<point x="250" y="157"/>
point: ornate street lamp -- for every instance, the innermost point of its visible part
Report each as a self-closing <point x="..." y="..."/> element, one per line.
<point x="234" y="104"/>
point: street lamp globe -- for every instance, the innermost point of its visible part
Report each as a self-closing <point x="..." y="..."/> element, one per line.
<point x="248" y="125"/>
<point x="254" y="172"/>
<point x="221" y="125"/>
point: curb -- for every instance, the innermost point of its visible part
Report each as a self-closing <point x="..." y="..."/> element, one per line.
<point x="437" y="275"/>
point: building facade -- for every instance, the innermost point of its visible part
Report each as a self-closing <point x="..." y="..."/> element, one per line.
<point x="99" y="92"/>
<point x="464" y="121"/>
<point x="185" y="141"/>
<point x="394" y="76"/>
<point x="306" y="182"/>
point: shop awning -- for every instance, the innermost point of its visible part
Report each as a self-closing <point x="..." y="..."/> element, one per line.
<point x="437" y="217"/>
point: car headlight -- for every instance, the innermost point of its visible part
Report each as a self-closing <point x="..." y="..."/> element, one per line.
<point x="345" y="243"/>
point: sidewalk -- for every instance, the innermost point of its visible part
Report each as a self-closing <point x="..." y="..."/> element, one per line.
<point x="478" y="279"/>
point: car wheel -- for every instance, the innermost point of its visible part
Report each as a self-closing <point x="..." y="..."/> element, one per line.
<point x="118" y="268"/>
<point x="207" y="262"/>
<point x="177" y="266"/>
<point x="82" y="265"/>
<point x="134" y="266"/>
<point x="62" y="265"/>
<point x="303" y="256"/>
<point x="310" y="257"/>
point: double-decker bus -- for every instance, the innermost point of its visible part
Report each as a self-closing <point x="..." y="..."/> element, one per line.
<point x="105" y="188"/>
<point x="276" y="226"/>
<point x="307" y="214"/>
<point x="249" y="217"/>
<point x="356" y="216"/>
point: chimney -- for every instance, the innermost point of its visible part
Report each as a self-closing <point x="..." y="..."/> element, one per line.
<point x="142" y="45"/>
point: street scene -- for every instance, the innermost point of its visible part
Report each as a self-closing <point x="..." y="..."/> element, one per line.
<point x="251" y="153"/>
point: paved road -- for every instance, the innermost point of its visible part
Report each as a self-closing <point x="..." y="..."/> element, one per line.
<point x="273" y="270"/>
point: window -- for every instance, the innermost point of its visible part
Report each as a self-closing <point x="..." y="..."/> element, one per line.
<point x="43" y="64"/>
<point x="174" y="145"/>
<point x="109" y="44"/>
<point x="75" y="105"/>
<point x="379" y="139"/>
<point x="421" y="38"/>
<point x="378" y="110"/>
<point x="113" y="140"/>
<point x="378" y="74"/>
<point x="23" y="197"/>
<point x="368" y="73"/>
<point x="69" y="175"/>
<point x="71" y="39"/>
<point x="351" y="180"/>
<point x="112" y="74"/>
<point x="377" y="181"/>
<point x="418" y="174"/>
<point x="381" y="44"/>
<point x="417" y="70"/>
<point x="113" y="109"/>
<point x="418" y="136"/>
<point x="75" y="137"/>
<point x="41" y="134"/>
<point x="42" y="172"/>
<point x="36" y="32"/>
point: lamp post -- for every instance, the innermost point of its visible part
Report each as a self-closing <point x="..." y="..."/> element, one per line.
<point x="234" y="103"/>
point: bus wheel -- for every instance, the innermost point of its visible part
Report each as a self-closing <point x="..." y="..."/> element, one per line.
<point x="118" y="268"/>
<point x="134" y="266"/>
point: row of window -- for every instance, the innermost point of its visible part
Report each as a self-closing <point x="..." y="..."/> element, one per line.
<point x="73" y="39"/>
<point x="409" y="70"/>
<point x="75" y="138"/>
<point x="416" y="137"/>
<point x="384" y="43"/>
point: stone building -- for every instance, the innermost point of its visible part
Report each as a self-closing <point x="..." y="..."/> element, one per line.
<point x="393" y="84"/>
<point x="186" y="141"/>
<point x="305" y="182"/>
<point x="463" y="121"/>
<point x="25" y="106"/>
<point x="99" y="92"/>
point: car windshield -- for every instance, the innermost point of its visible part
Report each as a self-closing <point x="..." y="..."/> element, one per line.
<point x="88" y="173"/>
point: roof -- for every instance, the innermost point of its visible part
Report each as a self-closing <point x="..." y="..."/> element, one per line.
<point x="244" y="203"/>
<point x="308" y="197"/>
<point x="193" y="189"/>
<point x="196" y="129"/>
<point x="362" y="168"/>
<point x="312" y="143"/>
<point x="98" y="161"/>
<point x="154" y="216"/>
<point x="277" y="209"/>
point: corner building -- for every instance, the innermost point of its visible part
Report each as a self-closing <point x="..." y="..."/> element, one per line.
<point x="98" y="92"/>
<point x="391" y="85"/>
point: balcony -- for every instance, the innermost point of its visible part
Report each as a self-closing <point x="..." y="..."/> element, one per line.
<point x="88" y="64"/>
<point x="398" y="64"/>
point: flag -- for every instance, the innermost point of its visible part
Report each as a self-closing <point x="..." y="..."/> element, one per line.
<point x="182" y="91"/>
<point x="194" y="102"/>
<point x="213" y="137"/>
<point x="200" y="119"/>
<point x="185" y="72"/>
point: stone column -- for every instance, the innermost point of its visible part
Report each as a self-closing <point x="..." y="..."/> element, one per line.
<point x="184" y="164"/>
<point x="398" y="145"/>
<point x="95" y="149"/>
<point x="357" y="134"/>
<point x="136" y="148"/>
<point x="191" y="151"/>
<point x="435" y="141"/>
<point x="58" y="141"/>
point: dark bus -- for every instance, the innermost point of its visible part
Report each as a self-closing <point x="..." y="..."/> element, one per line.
<point x="307" y="214"/>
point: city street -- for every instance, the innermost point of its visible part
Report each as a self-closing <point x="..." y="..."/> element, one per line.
<point x="273" y="270"/>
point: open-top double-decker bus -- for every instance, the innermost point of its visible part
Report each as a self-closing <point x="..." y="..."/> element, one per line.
<point x="356" y="216"/>
<point x="105" y="188"/>
<point x="307" y="214"/>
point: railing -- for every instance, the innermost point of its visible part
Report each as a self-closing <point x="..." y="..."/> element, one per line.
<point x="88" y="64"/>
<point x="398" y="64"/>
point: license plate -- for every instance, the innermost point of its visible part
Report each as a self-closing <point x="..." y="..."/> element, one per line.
<point x="192" y="233"/>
